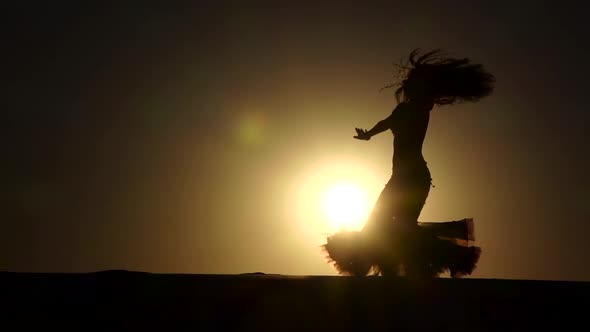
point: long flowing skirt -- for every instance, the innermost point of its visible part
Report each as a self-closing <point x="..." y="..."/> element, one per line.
<point x="428" y="249"/>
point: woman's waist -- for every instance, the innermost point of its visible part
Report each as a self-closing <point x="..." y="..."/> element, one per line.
<point x="409" y="161"/>
<point x="411" y="167"/>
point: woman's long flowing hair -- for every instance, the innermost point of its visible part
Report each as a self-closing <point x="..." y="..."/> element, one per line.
<point x="443" y="79"/>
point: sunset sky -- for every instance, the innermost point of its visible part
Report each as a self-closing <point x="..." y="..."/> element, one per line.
<point x="203" y="139"/>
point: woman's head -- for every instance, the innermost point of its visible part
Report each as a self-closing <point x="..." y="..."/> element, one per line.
<point x="442" y="80"/>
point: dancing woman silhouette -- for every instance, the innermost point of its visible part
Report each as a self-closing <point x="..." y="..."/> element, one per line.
<point x="393" y="242"/>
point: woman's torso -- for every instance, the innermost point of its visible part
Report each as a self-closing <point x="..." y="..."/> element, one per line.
<point x="409" y="126"/>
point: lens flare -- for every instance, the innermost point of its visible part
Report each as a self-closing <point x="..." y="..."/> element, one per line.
<point x="251" y="129"/>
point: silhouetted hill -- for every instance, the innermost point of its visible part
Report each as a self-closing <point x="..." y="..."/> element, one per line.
<point x="258" y="302"/>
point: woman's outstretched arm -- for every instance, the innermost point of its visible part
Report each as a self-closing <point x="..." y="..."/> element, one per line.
<point x="380" y="127"/>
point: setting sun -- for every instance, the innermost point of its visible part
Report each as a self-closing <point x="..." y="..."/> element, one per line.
<point x="345" y="205"/>
<point x="332" y="194"/>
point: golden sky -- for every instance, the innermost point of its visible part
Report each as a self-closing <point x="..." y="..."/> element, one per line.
<point x="201" y="140"/>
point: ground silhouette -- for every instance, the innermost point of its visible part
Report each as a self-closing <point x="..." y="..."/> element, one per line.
<point x="126" y="300"/>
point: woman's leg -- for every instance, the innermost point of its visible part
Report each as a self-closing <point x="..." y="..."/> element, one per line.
<point x="410" y="202"/>
<point x="413" y="243"/>
<point x="384" y="209"/>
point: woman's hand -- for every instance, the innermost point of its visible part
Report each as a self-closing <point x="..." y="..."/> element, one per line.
<point x="362" y="134"/>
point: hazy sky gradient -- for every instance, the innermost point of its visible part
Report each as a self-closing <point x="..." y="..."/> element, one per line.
<point x="172" y="139"/>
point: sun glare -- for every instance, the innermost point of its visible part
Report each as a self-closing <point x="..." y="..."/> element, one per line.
<point x="345" y="205"/>
<point x="334" y="194"/>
